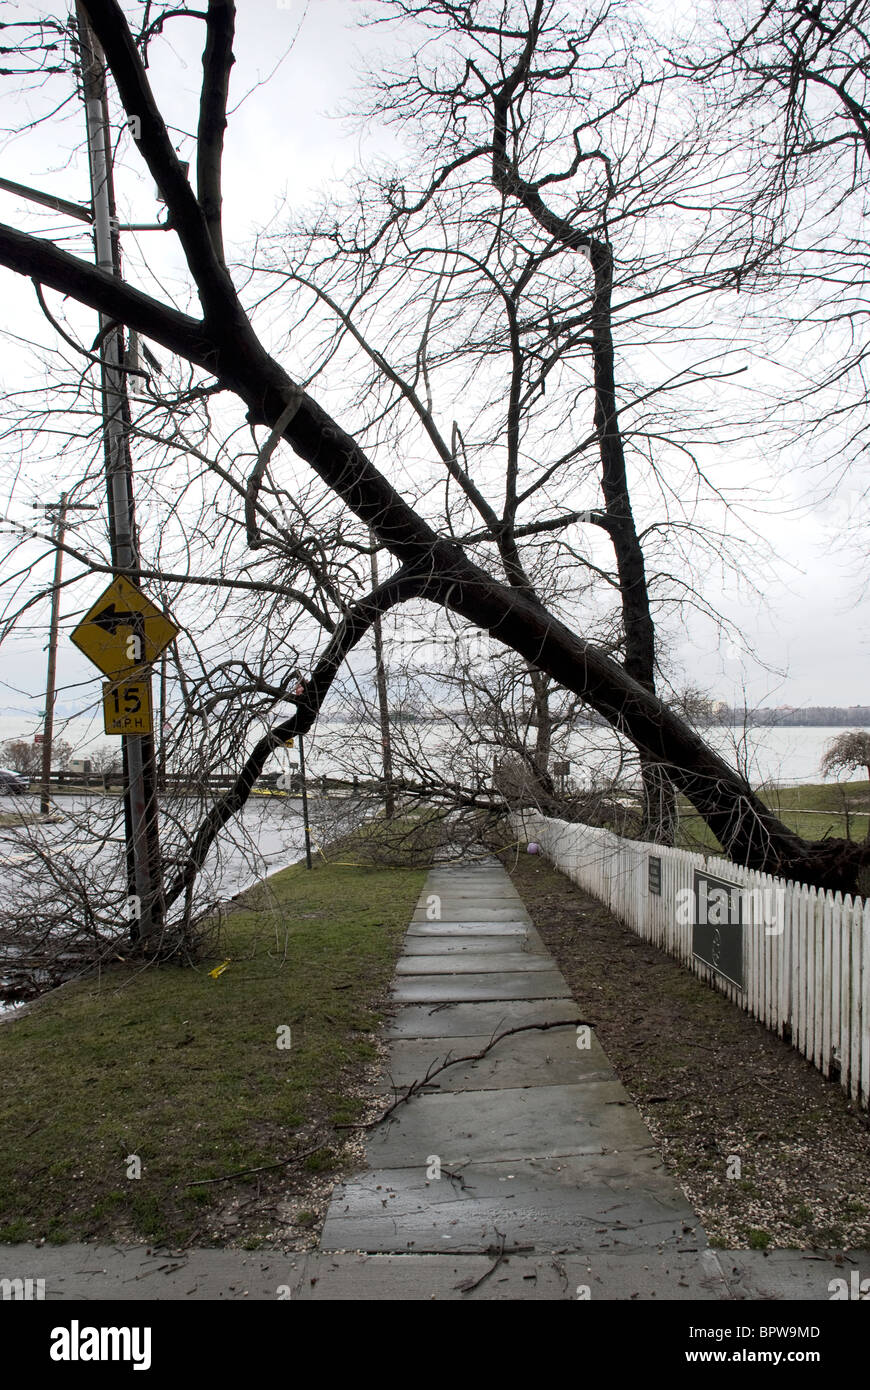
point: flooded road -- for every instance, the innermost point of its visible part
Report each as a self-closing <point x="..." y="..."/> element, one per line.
<point x="87" y="846"/>
<point x="266" y="836"/>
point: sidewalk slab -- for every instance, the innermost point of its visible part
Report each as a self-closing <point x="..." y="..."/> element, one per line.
<point x="475" y="873"/>
<point x="468" y="944"/>
<point x="470" y="928"/>
<point x="133" y="1273"/>
<point x="492" y="893"/>
<point x="510" y="984"/>
<point x="467" y="1020"/>
<point x="514" y="1123"/>
<point x="549" y="1058"/>
<point x="591" y="1203"/>
<point x="494" y="888"/>
<point x="469" y="963"/>
<point x="789" y="1274"/>
<point x="440" y="1278"/>
<point x="477" y="908"/>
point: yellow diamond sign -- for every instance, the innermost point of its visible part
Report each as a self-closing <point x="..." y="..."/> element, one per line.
<point x="124" y="630"/>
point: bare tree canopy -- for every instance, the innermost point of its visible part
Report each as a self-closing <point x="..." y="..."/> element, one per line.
<point x="222" y="352"/>
<point x="846" y="753"/>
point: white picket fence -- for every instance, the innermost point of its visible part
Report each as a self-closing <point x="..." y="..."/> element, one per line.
<point x="806" y="952"/>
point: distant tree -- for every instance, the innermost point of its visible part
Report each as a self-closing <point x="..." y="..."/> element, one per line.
<point x="105" y="759"/>
<point x="847" y="752"/>
<point x="26" y="757"/>
<point x="696" y="706"/>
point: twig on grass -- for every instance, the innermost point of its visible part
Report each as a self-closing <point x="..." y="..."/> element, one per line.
<point x="264" y="1168"/>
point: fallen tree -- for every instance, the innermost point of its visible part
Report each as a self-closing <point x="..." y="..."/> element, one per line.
<point x="224" y="344"/>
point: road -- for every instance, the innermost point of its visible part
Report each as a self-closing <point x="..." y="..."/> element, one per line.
<point x="265" y="837"/>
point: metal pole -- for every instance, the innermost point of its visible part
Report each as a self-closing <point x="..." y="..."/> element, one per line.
<point x="383" y="702"/>
<point x="140" y="796"/>
<point x="161" y="764"/>
<point x="48" y="727"/>
<point x="304" y="801"/>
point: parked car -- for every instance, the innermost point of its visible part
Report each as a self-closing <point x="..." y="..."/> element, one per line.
<point x="13" y="781"/>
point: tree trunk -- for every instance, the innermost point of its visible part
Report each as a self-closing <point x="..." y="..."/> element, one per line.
<point x="659" y="798"/>
<point x="617" y="518"/>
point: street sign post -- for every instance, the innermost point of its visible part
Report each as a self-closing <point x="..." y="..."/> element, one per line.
<point x="124" y="630"/>
<point x="127" y="706"/>
<point x="123" y="634"/>
<point x="141" y="820"/>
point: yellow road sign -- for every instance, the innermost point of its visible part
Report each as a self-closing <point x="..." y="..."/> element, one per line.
<point x="124" y="630"/>
<point x="127" y="706"/>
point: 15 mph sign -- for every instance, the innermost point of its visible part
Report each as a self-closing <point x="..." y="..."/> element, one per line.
<point x="127" y="706"/>
<point x="124" y="630"/>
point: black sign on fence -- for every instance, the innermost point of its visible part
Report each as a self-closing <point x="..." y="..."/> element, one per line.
<point x="717" y="932"/>
<point x="654" y="875"/>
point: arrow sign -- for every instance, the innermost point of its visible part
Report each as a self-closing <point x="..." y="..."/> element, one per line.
<point x="109" y="619"/>
<point x="124" y="630"/>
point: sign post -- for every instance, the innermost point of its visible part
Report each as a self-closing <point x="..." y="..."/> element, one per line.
<point x="144" y="873"/>
<point x="304" y="801"/>
<point x="123" y="634"/>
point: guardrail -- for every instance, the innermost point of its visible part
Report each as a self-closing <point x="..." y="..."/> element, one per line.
<point x="216" y="781"/>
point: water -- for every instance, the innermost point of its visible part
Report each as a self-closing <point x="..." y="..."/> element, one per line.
<point x="767" y="755"/>
<point x="785" y="756"/>
<point x="266" y="837"/>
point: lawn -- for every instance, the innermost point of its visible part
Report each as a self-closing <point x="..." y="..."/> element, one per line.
<point x="182" y="1069"/>
<point x="816" y="811"/>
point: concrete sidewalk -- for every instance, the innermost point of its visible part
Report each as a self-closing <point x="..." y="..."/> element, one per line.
<point x="528" y="1174"/>
<point x="536" y="1152"/>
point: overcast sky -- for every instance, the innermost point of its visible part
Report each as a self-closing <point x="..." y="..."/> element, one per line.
<point x="285" y="137"/>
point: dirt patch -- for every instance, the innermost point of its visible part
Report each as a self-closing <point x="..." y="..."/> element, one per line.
<point x="769" y="1153"/>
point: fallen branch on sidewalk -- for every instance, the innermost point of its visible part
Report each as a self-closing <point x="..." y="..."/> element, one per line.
<point x="435" y="1069"/>
<point x="467" y="1285"/>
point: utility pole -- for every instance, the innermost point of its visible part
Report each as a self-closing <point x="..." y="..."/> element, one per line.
<point x="383" y="703"/>
<point x="140" y="799"/>
<point x="58" y="532"/>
